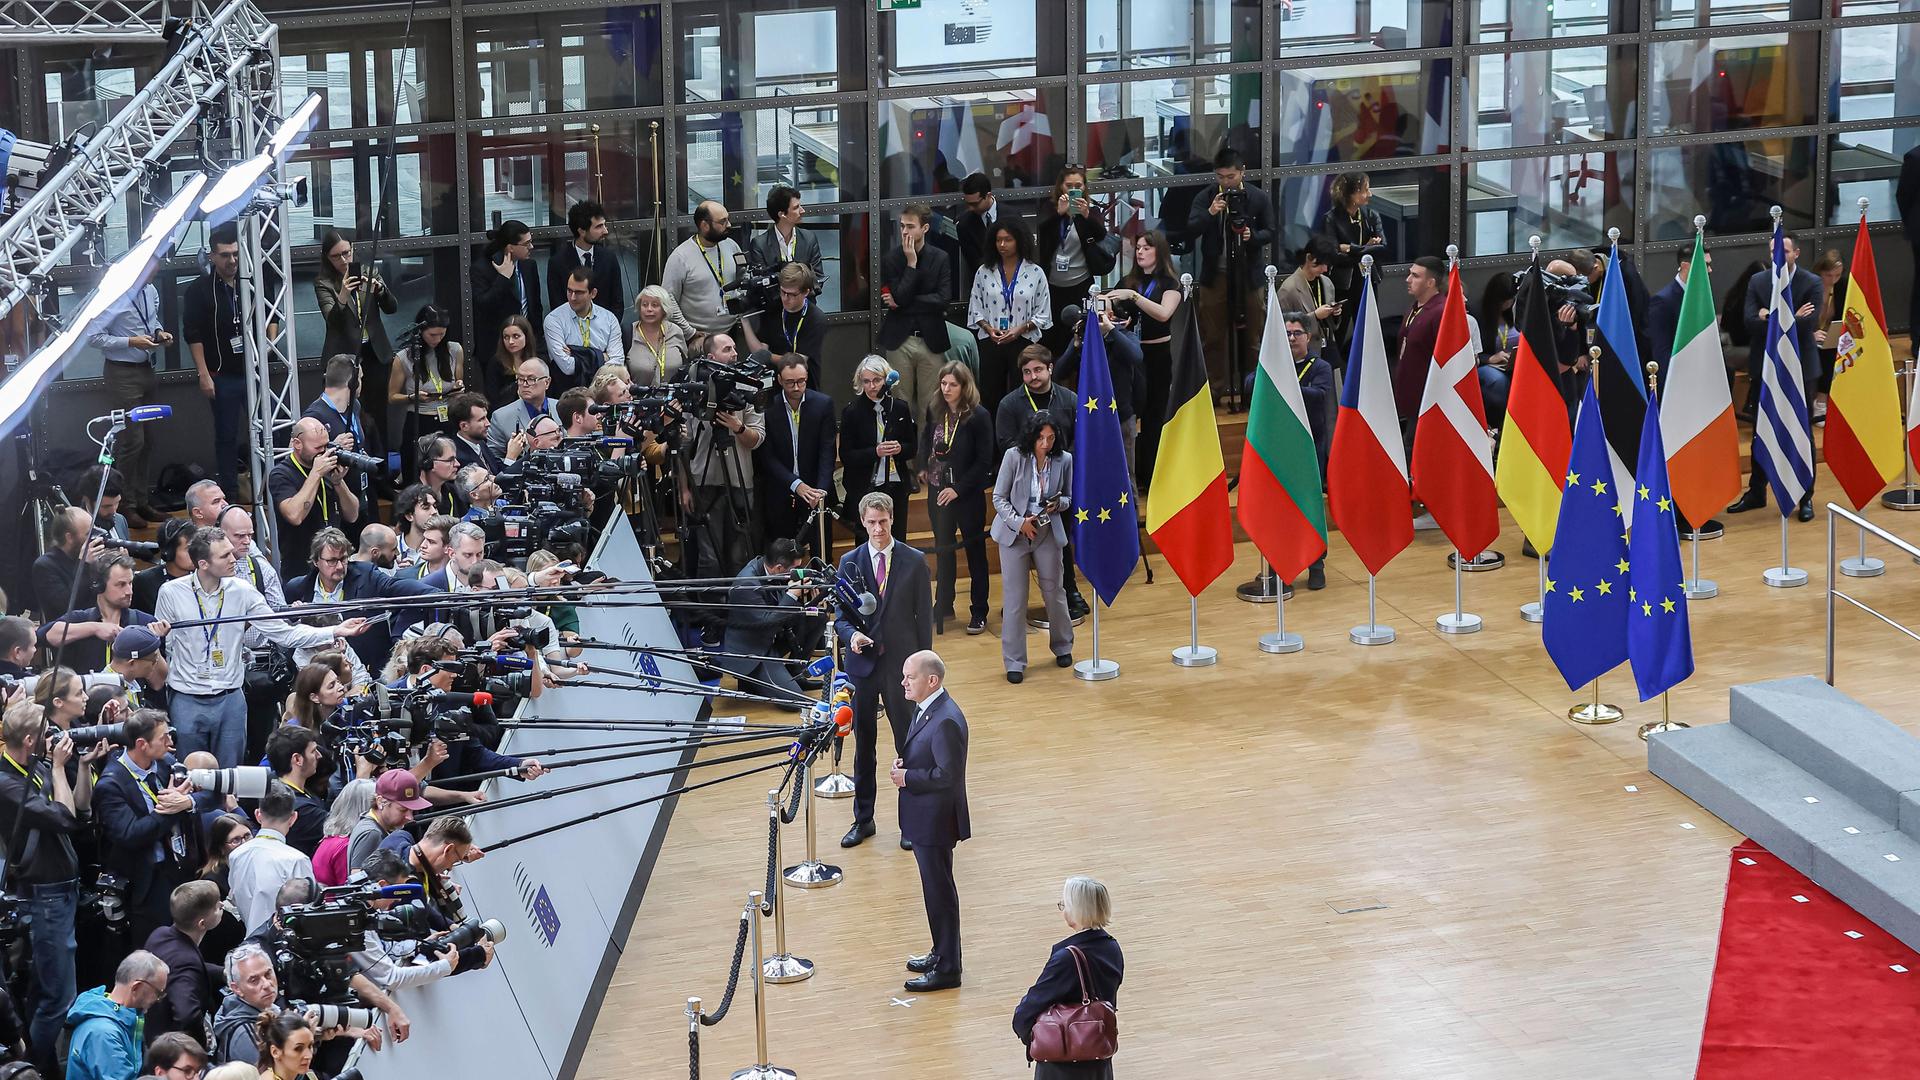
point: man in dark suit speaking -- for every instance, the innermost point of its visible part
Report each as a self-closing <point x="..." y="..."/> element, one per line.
<point x="931" y="773"/>
<point x="878" y="644"/>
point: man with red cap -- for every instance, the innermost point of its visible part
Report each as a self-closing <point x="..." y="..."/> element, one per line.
<point x="396" y="795"/>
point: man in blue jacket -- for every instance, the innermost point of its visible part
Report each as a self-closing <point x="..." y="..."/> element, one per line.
<point x="337" y="579"/>
<point x="105" y="1023"/>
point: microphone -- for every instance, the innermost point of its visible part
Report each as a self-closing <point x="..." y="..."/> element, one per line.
<point x="893" y="380"/>
<point x="868" y="603"/>
<point x="142" y="413"/>
<point x="410" y="891"/>
<point x="448" y="697"/>
<point x="820" y="667"/>
<point x="843" y="720"/>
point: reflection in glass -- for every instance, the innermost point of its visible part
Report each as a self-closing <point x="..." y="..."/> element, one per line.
<point x="1570" y="200"/>
<point x="1732" y="183"/>
<point x="1731" y="83"/>
<point x="1123" y="34"/>
<point x="1133" y="213"/>
<point x="730" y="51"/>
<point x="928" y="145"/>
<point x="1530" y="20"/>
<point x="533" y="174"/>
<point x="1412" y="204"/>
<point x="80" y="90"/>
<point x="1364" y="112"/>
<point x="1167" y="126"/>
<point x="1853" y="9"/>
<point x="559" y="61"/>
<point x="1867" y="61"/>
<point x="1590" y="96"/>
<point x="1866" y="164"/>
<point x="954" y="41"/>
<point x="1679" y="14"/>
<point x="1334" y="26"/>
<point x="736" y="158"/>
<point x="344" y="180"/>
<point x="353" y="72"/>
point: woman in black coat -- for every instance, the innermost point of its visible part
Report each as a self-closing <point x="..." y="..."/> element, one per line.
<point x="876" y="425"/>
<point x="1087" y="910"/>
<point x="957" y="455"/>
<point x="1355" y="231"/>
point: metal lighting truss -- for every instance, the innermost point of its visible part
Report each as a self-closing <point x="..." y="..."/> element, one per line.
<point x="225" y="63"/>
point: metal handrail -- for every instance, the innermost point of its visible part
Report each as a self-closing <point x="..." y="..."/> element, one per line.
<point x="1834" y="514"/>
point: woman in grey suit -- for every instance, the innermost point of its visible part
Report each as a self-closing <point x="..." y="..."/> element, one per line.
<point x="1030" y="497"/>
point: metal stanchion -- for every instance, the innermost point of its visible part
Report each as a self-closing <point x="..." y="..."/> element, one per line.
<point x="693" y="1038"/>
<point x="1372" y="633"/>
<point x="1784" y="576"/>
<point x="1595" y="711"/>
<point x="1907" y="495"/>
<point x="1458" y="621"/>
<point x="1863" y="565"/>
<point x="761" y="1071"/>
<point x="812" y="874"/>
<point x="1096" y="669"/>
<point x="782" y="966"/>
<point x="1194" y="654"/>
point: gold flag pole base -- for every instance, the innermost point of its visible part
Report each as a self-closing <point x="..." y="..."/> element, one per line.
<point x="1595" y="711"/>
<point x="1666" y="721"/>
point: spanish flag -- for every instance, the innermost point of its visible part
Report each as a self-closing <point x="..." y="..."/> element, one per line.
<point x="1538" y="440"/>
<point x="1863" y="442"/>
<point x="1187" y="514"/>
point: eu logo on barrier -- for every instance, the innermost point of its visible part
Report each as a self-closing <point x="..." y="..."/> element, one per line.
<point x="540" y="911"/>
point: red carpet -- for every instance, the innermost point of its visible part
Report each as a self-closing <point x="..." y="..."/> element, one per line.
<point x="1794" y="995"/>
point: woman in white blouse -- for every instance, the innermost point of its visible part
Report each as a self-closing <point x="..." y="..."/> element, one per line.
<point x="1010" y="306"/>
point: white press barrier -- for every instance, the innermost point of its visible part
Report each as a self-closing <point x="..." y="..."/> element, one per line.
<point x="567" y="898"/>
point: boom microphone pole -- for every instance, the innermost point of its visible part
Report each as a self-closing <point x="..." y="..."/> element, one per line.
<point x="583" y="819"/>
<point x="647" y="751"/>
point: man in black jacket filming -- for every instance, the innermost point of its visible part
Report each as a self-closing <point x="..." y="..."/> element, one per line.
<point x="759" y="610"/>
<point x="1232" y="229"/>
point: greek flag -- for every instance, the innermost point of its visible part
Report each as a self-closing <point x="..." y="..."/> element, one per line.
<point x="1782" y="438"/>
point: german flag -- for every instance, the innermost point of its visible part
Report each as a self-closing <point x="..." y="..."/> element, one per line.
<point x="1537" y="440"/>
<point x="1187" y="514"/>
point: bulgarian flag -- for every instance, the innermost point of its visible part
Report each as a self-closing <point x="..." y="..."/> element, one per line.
<point x="1696" y="407"/>
<point x="1862" y="444"/>
<point x="1280" y="503"/>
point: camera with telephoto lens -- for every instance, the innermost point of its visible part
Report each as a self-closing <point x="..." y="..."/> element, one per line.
<point x="364" y="462"/>
<point x="315" y="957"/>
<point x="1561" y="289"/>
<point x="355" y="731"/>
<point x="13" y="919"/>
<point x="107" y="897"/>
<point x="243" y="781"/>
<point x="473" y="929"/>
<point x="732" y="387"/>
<point x="754" y="289"/>
<point x="84" y="737"/>
<point x="325" y="1014"/>
<point x="655" y="411"/>
<point x="139" y="549"/>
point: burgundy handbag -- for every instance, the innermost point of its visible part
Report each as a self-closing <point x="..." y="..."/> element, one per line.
<point x="1088" y="1031"/>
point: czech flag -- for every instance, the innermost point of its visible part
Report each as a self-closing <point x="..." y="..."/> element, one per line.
<point x="1367" y="469"/>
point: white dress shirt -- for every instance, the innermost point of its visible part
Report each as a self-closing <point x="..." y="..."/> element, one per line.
<point x="563" y="329"/>
<point x="260" y="574"/>
<point x="206" y="659"/>
<point x="256" y="871"/>
<point x="927" y="702"/>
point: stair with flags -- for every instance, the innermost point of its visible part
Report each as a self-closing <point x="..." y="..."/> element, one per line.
<point x="1828" y="785"/>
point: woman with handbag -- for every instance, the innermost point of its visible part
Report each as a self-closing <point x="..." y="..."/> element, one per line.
<point x="1067" y="1019"/>
<point x="1031" y="498"/>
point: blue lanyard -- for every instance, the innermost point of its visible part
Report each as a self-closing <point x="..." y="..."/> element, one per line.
<point x="1147" y="293"/>
<point x="1006" y="287"/>
<point x="352" y="420"/>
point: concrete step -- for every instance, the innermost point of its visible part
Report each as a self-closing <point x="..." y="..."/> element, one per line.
<point x="1878" y="875"/>
<point x="1746" y="784"/>
<point x="1837" y="740"/>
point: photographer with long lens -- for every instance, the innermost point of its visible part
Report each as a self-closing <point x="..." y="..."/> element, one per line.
<point x="760" y="610"/>
<point x="717" y="451"/>
<point x="433" y="666"/>
<point x="397" y="964"/>
<point x="40" y="813"/>
<point x="84" y="637"/>
<point x="338" y="407"/>
<point x="310" y="492"/>
<point x="71" y="546"/>
<point x="150" y="837"/>
<point x="205" y="665"/>
<point x="1234" y="226"/>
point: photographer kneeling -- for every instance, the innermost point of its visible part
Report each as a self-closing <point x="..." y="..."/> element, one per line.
<point x="758" y="611"/>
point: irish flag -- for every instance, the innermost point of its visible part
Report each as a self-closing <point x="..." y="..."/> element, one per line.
<point x="1696" y="407"/>
<point x="1863" y="405"/>
<point x="1280" y="503"/>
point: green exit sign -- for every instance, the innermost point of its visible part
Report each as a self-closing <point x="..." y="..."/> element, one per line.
<point x="896" y="5"/>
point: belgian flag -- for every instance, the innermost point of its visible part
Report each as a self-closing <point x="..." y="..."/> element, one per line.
<point x="1187" y="514"/>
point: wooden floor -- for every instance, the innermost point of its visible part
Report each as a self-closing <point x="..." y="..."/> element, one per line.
<point x="1524" y="911"/>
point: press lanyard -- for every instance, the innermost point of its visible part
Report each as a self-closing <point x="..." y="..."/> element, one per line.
<point x="712" y="267"/>
<point x="141" y="782"/>
<point x="350" y="419"/>
<point x="200" y="603"/>
<point x="659" y="355"/>
<point x="324" y="515"/>
<point x="1147" y="293"/>
<point x="793" y="335"/>
<point x="946" y="430"/>
<point x="586" y="329"/>
<point x="1034" y="404"/>
<point x="23" y="770"/>
<point x="1006" y="287"/>
<point x="360" y="313"/>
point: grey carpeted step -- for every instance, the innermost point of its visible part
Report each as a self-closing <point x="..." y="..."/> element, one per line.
<point x="1857" y="870"/>
<point x="1837" y="739"/>
<point x="1744" y="783"/>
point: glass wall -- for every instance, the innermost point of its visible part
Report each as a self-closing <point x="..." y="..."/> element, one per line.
<point x="1480" y="122"/>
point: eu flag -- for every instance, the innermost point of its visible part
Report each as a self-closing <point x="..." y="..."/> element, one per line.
<point x="1585" y="606"/>
<point x="1658" y="639"/>
<point x="1106" y="530"/>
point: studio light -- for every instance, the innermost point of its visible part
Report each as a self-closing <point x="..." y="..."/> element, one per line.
<point x="294" y="129"/>
<point x="122" y="279"/>
<point x="234" y="192"/>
